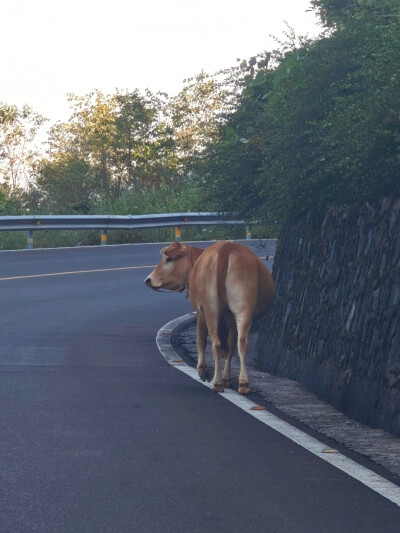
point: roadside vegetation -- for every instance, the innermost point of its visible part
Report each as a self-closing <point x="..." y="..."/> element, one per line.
<point x="310" y="124"/>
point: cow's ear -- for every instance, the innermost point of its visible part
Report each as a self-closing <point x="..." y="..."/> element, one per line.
<point x="173" y="255"/>
<point x="171" y="248"/>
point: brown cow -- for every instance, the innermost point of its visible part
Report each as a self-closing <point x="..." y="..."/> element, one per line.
<point x="228" y="286"/>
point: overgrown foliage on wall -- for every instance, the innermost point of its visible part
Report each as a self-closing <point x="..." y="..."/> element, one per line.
<point x="322" y="126"/>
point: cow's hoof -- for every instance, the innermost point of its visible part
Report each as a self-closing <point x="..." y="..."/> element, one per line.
<point x="244" y="388"/>
<point x="227" y="383"/>
<point x="203" y="373"/>
<point x="218" y="387"/>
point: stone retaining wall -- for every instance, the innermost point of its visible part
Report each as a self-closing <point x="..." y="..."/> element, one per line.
<point x="335" y="323"/>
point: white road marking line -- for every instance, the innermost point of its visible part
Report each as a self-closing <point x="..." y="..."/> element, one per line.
<point x="28" y="276"/>
<point x="374" y="481"/>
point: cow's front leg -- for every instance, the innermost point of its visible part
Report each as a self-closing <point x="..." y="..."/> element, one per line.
<point x="204" y="372"/>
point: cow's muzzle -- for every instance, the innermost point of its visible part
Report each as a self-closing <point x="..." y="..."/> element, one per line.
<point x="149" y="283"/>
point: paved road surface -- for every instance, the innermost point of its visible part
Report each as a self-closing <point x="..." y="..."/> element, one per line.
<point x="99" y="434"/>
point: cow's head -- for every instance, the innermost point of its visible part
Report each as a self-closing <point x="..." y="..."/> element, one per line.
<point x="172" y="271"/>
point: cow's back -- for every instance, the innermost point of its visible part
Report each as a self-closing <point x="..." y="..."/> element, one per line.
<point x="230" y="276"/>
<point x="205" y="277"/>
<point x="249" y="284"/>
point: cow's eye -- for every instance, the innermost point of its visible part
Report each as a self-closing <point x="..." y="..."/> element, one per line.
<point x="168" y="259"/>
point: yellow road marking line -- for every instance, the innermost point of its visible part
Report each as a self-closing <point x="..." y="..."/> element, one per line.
<point x="74" y="272"/>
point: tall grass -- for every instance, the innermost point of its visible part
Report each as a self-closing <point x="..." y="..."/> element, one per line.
<point x="12" y="240"/>
<point x="150" y="200"/>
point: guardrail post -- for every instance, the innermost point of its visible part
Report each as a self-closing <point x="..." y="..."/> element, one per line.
<point x="29" y="235"/>
<point x="178" y="233"/>
<point x="248" y="232"/>
<point x="103" y="237"/>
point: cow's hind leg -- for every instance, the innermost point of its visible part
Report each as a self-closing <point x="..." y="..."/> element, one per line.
<point x="204" y="372"/>
<point x="243" y="327"/>
<point x="212" y="326"/>
<point x="218" y="385"/>
<point x="232" y="338"/>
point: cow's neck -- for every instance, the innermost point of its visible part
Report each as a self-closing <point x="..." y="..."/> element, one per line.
<point x="194" y="254"/>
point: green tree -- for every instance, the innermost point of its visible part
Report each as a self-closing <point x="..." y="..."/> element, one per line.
<point x="89" y="134"/>
<point x="340" y="14"/>
<point x="123" y="137"/>
<point x="10" y="201"/>
<point x="334" y="12"/>
<point x="18" y="130"/>
<point x="196" y="113"/>
<point x="144" y="146"/>
<point x="65" y="184"/>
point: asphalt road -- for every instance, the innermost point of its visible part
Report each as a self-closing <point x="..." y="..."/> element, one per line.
<point x="99" y="434"/>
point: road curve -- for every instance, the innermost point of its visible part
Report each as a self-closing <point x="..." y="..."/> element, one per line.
<point x="100" y="434"/>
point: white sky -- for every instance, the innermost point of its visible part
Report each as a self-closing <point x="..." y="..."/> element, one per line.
<point x="51" y="47"/>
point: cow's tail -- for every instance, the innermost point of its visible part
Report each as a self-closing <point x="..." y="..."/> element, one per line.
<point x="222" y="268"/>
<point x="223" y="333"/>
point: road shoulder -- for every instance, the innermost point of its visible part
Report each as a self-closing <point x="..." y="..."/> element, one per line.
<point x="376" y="448"/>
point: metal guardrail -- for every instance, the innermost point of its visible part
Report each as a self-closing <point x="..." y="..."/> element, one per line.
<point x="31" y="223"/>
